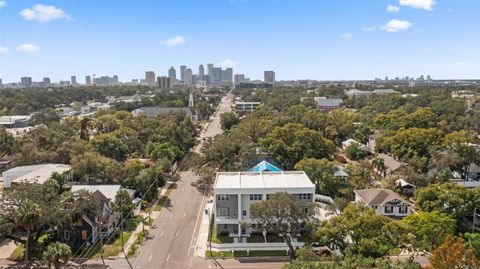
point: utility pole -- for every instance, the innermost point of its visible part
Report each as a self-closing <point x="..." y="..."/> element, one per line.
<point x="474" y="219"/>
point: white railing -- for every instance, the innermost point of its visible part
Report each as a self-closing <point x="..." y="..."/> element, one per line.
<point x="256" y="246"/>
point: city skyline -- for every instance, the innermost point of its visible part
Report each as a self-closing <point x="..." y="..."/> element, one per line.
<point x="298" y="39"/>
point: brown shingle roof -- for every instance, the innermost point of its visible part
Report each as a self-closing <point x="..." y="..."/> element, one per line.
<point x="379" y="196"/>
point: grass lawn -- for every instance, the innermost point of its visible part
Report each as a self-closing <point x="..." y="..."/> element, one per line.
<point x="394" y="252"/>
<point x="221" y="239"/>
<point x="257" y="253"/>
<point x="113" y="249"/>
<point x="218" y="254"/>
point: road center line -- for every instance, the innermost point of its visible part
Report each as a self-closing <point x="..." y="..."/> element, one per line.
<point x="168" y="256"/>
<point x="176" y="234"/>
<point x="149" y="259"/>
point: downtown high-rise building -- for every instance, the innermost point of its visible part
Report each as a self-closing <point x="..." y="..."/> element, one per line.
<point x="150" y="78"/>
<point x="188" y="76"/>
<point x="210" y="72"/>
<point x="216" y="74"/>
<point x="88" y="80"/>
<point x="172" y="75"/>
<point x="269" y="77"/>
<point x="73" y="80"/>
<point x="227" y="75"/>
<point x="239" y="78"/>
<point x="26" y="81"/>
<point x="163" y="82"/>
<point x="46" y="81"/>
<point x="182" y="73"/>
<point x="201" y="72"/>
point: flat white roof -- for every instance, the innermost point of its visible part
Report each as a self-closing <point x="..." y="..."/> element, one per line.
<point x="263" y="180"/>
<point x="39" y="173"/>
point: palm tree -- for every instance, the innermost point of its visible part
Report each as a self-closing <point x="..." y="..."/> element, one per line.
<point x="57" y="254"/>
<point x="28" y="216"/>
<point x="379" y="164"/>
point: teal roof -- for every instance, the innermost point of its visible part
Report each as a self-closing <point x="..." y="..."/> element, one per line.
<point x="264" y="166"/>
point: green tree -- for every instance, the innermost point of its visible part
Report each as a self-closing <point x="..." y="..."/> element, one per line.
<point x="92" y="167"/>
<point x="282" y="215"/>
<point x="6" y="142"/>
<point x="379" y="165"/>
<point x="430" y="228"/>
<point x="354" y="152"/>
<point x="45" y="116"/>
<point x="462" y="143"/>
<point x="57" y="255"/>
<point x="228" y="120"/>
<point x="473" y="243"/>
<point x="110" y="146"/>
<point x="450" y="198"/>
<point x="293" y="142"/>
<point x="321" y="172"/>
<point x="28" y="216"/>
<point x="123" y="202"/>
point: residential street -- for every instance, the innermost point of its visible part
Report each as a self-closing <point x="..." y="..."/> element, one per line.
<point x="173" y="245"/>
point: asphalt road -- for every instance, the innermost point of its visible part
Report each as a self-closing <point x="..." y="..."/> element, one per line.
<point x="174" y="241"/>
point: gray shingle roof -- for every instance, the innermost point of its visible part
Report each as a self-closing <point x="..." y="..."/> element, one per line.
<point x="379" y="196"/>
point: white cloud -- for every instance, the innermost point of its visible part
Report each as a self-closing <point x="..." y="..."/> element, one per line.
<point x="396" y="25"/>
<point x="27" y="48"/>
<point x="174" y="41"/>
<point x="3" y="3"/>
<point x="43" y="13"/>
<point x="347" y="36"/>
<point x="369" y="28"/>
<point x="227" y="63"/>
<point x="4" y="50"/>
<point x="421" y="4"/>
<point x="393" y="9"/>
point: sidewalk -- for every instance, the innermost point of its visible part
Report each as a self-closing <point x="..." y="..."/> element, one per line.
<point x="202" y="239"/>
<point x="154" y="215"/>
<point x="6" y="249"/>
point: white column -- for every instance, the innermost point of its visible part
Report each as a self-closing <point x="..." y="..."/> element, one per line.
<point x="239" y="214"/>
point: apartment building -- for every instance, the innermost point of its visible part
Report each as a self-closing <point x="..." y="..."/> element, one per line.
<point x="246" y="106"/>
<point x="235" y="192"/>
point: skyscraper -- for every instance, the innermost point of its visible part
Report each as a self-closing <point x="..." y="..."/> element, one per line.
<point x="210" y="72"/>
<point x="188" y="76"/>
<point x="227" y="75"/>
<point x="163" y="82"/>
<point x="88" y="80"/>
<point x="239" y="78"/>
<point x="269" y="77"/>
<point x="73" y="80"/>
<point x="201" y="72"/>
<point x="216" y="74"/>
<point x="172" y="74"/>
<point x="182" y="73"/>
<point x="26" y="81"/>
<point x="46" y="81"/>
<point x="150" y="78"/>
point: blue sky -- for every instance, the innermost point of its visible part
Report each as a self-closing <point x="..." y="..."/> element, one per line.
<point x="299" y="39"/>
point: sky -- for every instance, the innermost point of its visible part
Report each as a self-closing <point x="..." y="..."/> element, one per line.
<point x="298" y="39"/>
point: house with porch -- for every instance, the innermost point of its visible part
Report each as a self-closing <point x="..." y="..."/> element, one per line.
<point x="384" y="201"/>
<point x="235" y="192"/>
<point x="92" y="228"/>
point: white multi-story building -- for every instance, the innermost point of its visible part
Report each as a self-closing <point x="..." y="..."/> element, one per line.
<point x="246" y="106"/>
<point x="235" y="192"/>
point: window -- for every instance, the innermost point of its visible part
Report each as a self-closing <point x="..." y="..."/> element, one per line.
<point x="255" y="197"/>
<point x="305" y="209"/>
<point x="222" y="197"/>
<point x="254" y="225"/>
<point x="268" y="196"/>
<point x="374" y="206"/>
<point x="305" y="196"/>
<point x="244" y="212"/>
<point x="225" y="226"/>
<point x="402" y="209"/>
<point x="389" y="209"/>
<point x="223" y="212"/>
<point x="84" y="235"/>
<point x="244" y="231"/>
